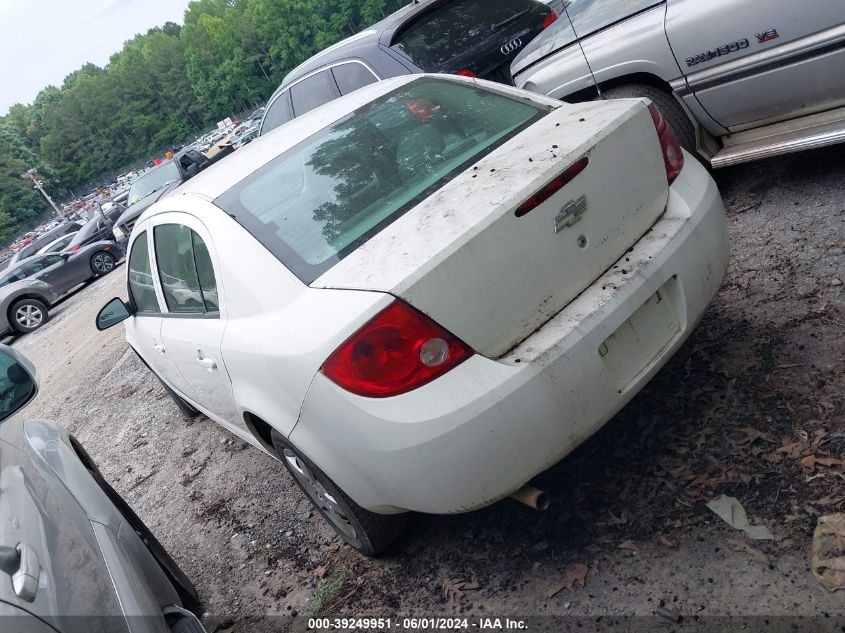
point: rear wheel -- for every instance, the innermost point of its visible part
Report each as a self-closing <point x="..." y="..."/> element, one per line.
<point x="366" y="531"/>
<point x="102" y="263"/>
<point x="668" y="106"/>
<point x="27" y="315"/>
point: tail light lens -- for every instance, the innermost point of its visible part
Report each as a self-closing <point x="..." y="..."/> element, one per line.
<point x="552" y="187"/>
<point x="550" y="19"/>
<point x="398" y="350"/>
<point x="466" y="73"/>
<point x="673" y="156"/>
<point x="75" y="248"/>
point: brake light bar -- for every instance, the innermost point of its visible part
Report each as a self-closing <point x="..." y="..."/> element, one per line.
<point x="552" y="187"/>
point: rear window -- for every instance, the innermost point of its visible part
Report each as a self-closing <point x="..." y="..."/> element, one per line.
<point x="324" y="197"/>
<point x="472" y="35"/>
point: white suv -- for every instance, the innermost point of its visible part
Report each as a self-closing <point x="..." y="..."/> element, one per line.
<point x="423" y="294"/>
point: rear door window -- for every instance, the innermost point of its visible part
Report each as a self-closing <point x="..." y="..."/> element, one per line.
<point x="351" y="76"/>
<point x="312" y="92"/>
<point x="141" y="287"/>
<point x="475" y="35"/>
<point x="180" y="254"/>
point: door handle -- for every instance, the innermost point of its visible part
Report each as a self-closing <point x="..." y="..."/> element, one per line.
<point x="159" y="348"/>
<point x="208" y="363"/>
<point x="21" y="563"/>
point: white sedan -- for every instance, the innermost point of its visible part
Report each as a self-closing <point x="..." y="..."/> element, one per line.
<point x="421" y="295"/>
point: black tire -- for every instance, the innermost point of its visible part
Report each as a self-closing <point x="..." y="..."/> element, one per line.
<point x="183" y="585"/>
<point x="27" y="315"/>
<point x="102" y="263"/>
<point x="185" y="408"/>
<point x="668" y="106"/>
<point x="373" y="533"/>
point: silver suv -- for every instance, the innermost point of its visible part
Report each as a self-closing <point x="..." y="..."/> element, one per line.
<point x="738" y="80"/>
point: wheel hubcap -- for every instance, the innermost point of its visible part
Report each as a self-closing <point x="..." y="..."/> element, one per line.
<point x="29" y="316"/>
<point x="103" y="263"/>
<point x="319" y="495"/>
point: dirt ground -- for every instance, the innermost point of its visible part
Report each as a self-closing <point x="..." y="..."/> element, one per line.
<point x="740" y="410"/>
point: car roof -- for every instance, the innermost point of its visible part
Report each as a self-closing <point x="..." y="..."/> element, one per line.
<point x="222" y="176"/>
<point x="344" y="49"/>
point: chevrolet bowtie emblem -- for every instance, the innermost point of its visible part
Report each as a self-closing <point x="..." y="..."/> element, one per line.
<point x="570" y="213"/>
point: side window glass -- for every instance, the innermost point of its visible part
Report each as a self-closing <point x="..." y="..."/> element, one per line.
<point x="278" y="114"/>
<point x="35" y="266"/>
<point x="312" y="92"/>
<point x="141" y="287"/>
<point x="175" y="259"/>
<point x="205" y="274"/>
<point x="352" y="76"/>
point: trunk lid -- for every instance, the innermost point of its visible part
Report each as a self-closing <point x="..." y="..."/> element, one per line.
<point x="463" y="257"/>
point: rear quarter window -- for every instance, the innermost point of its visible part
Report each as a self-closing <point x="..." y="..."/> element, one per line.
<point x="351" y="76"/>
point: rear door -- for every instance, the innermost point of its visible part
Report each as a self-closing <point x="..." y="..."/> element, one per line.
<point x="749" y="66"/>
<point x="480" y="37"/>
<point x="192" y="329"/>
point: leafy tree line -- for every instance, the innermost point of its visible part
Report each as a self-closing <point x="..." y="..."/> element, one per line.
<point x="162" y="88"/>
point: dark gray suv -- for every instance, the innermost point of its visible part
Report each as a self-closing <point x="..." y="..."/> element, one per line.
<point x="478" y="38"/>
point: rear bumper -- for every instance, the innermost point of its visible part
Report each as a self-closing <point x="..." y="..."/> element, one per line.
<point x="488" y="426"/>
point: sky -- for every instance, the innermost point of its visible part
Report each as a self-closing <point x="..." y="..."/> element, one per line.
<point x="43" y="41"/>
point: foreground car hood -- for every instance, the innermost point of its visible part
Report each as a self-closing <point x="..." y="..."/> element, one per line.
<point x="463" y="258"/>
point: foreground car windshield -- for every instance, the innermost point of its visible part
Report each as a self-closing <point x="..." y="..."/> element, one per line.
<point x="153" y="180"/>
<point x="317" y="202"/>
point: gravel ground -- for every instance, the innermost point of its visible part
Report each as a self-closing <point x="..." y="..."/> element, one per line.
<point x="756" y="390"/>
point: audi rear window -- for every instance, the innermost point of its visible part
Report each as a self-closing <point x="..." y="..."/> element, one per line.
<point x="469" y="34"/>
<point x="323" y="198"/>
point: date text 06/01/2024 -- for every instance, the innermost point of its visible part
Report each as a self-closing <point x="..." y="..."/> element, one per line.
<point x="417" y="624"/>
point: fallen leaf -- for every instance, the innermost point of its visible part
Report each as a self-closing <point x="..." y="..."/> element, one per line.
<point x="665" y="541"/>
<point x="827" y="556"/>
<point x="829" y="501"/>
<point x="751" y="434"/>
<point x="452" y="590"/>
<point x="810" y="461"/>
<point x="320" y="571"/>
<point x="576" y="575"/>
<point x="738" y="545"/>
<point x="629" y="545"/>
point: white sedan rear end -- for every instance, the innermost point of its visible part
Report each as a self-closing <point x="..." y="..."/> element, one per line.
<point x="425" y="293"/>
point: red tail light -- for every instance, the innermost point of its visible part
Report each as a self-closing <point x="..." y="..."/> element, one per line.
<point x="552" y="187"/>
<point x="75" y="248"/>
<point x="550" y="19"/>
<point x="466" y="73"/>
<point x="397" y="351"/>
<point x="673" y="156"/>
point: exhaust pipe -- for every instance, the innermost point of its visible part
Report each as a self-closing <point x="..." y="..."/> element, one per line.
<point x="533" y="498"/>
